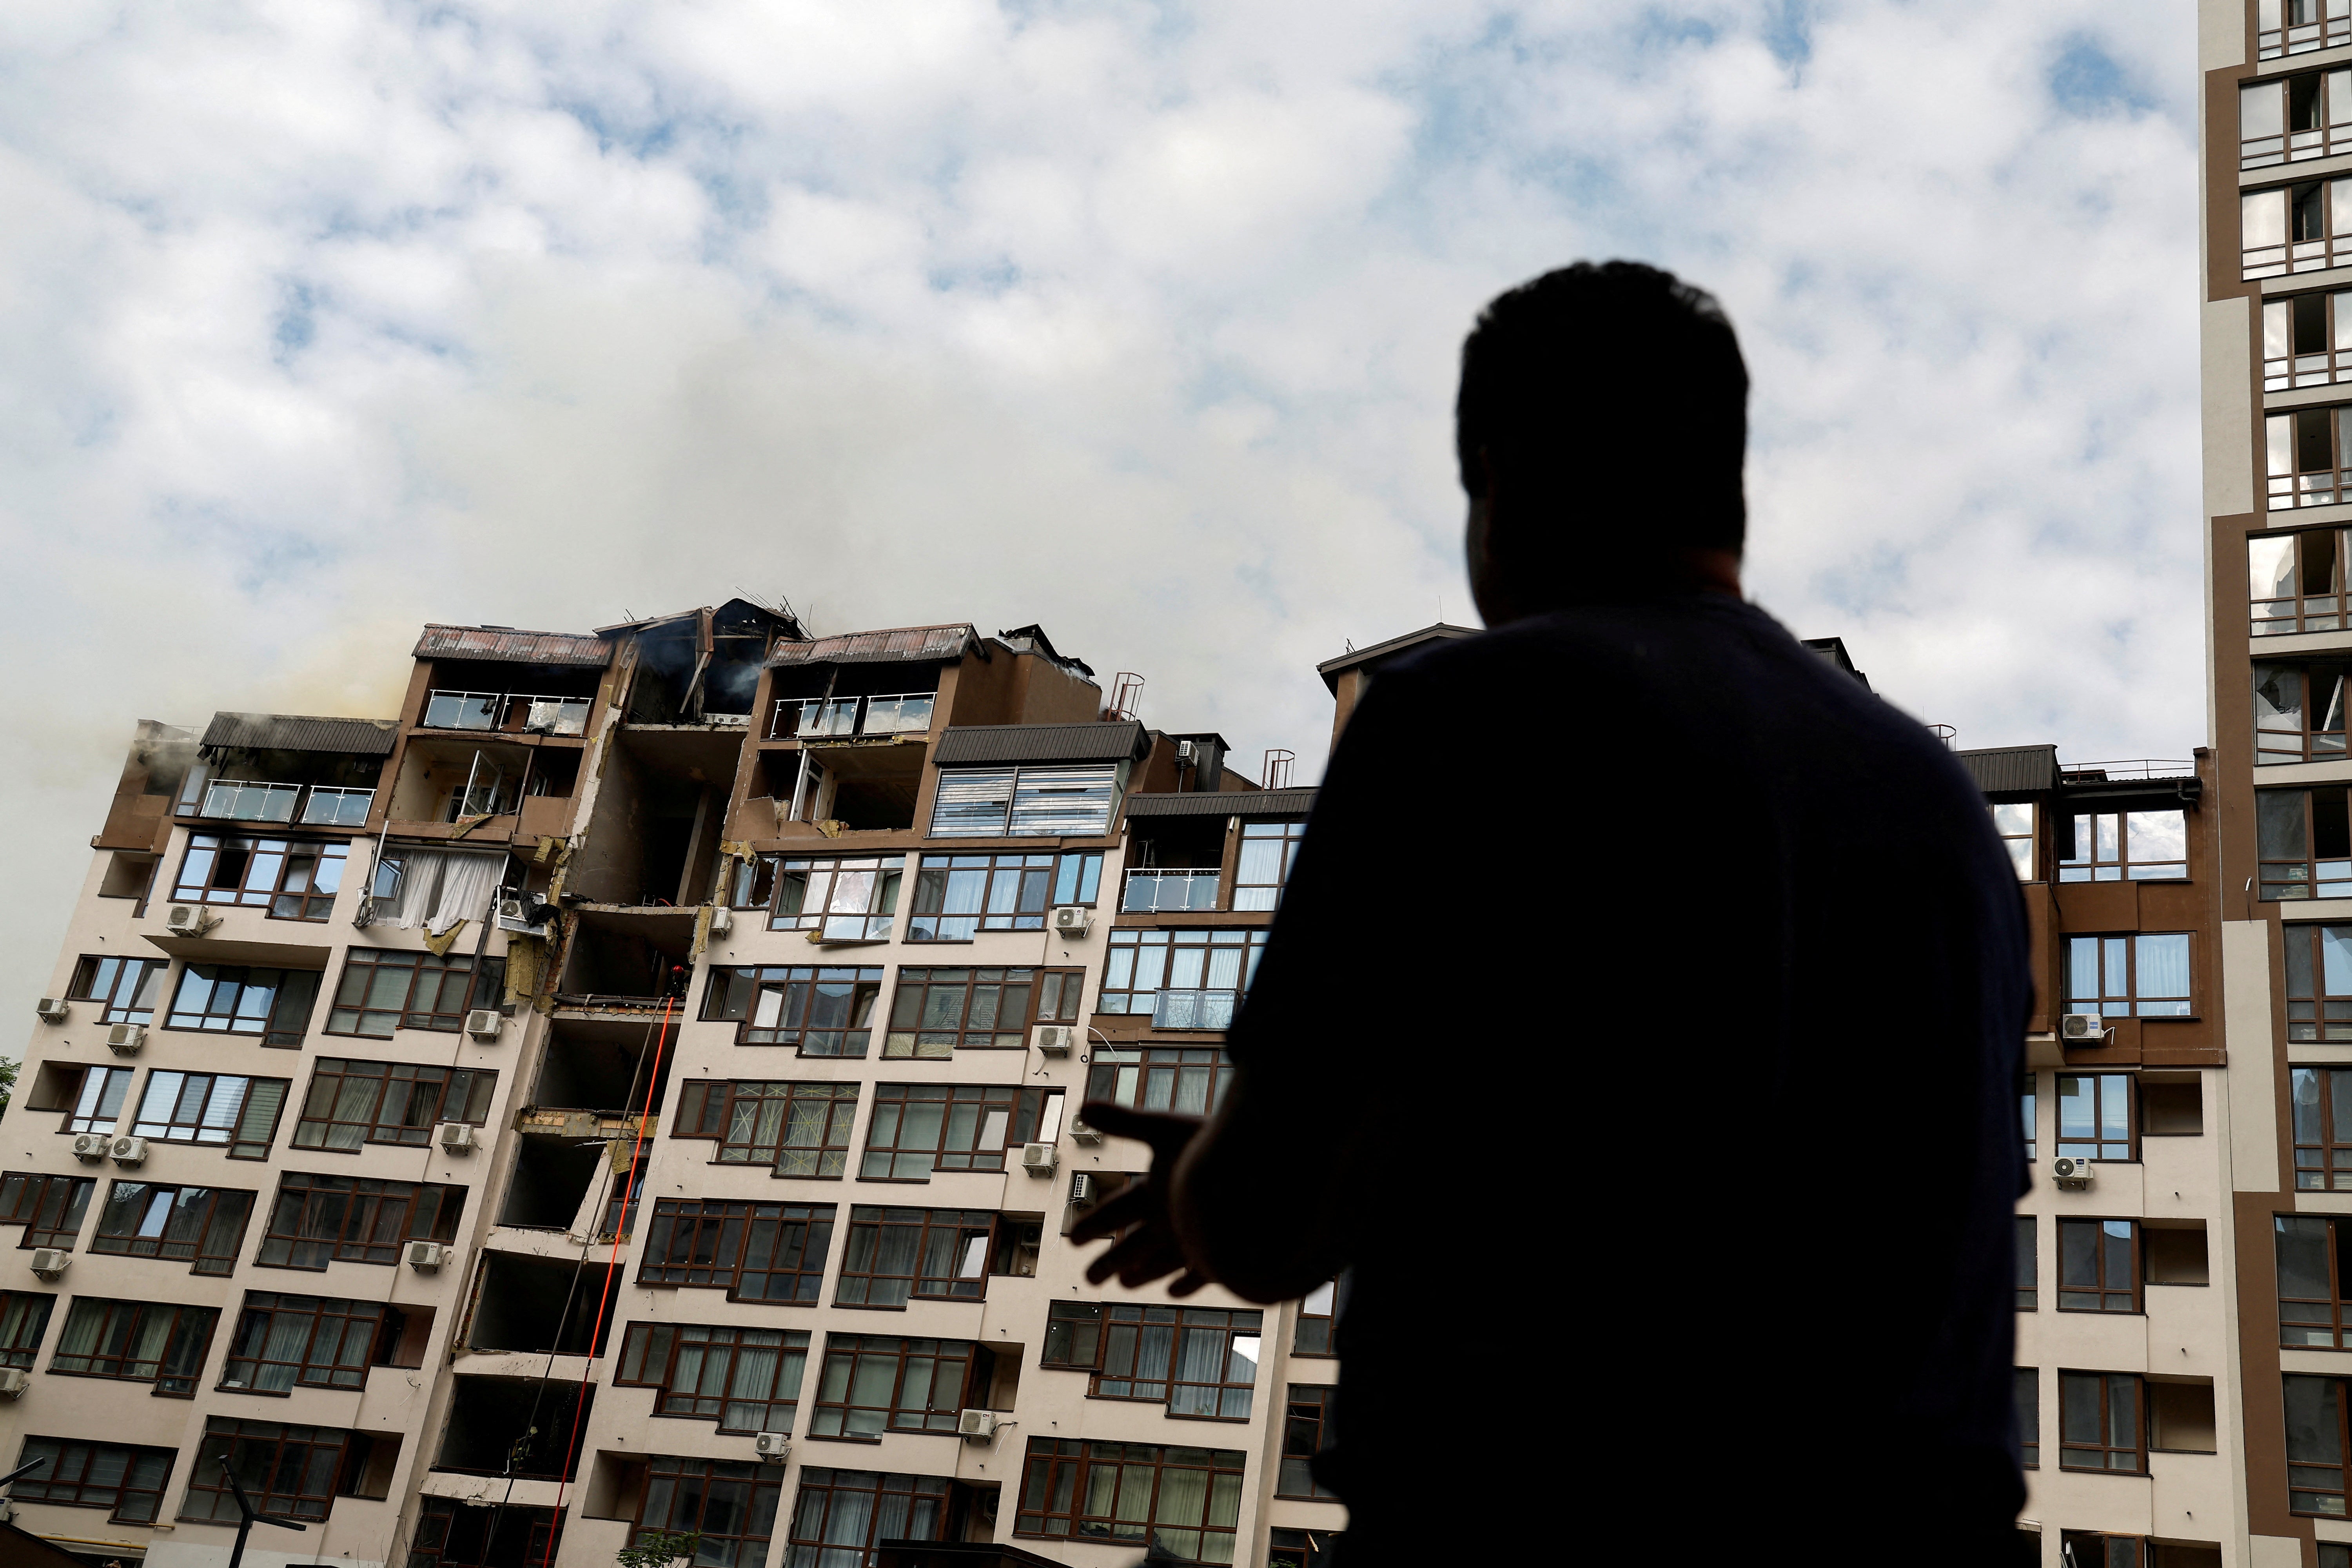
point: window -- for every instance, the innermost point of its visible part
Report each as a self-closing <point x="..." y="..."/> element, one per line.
<point x="2298" y="712"/>
<point x="2028" y="1264"/>
<point x="2287" y="119"/>
<point x="2323" y="1129"/>
<point x="319" y="1220"/>
<point x="2307" y="340"/>
<point x="24" y="1319"/>
<point x="97" y="1104"/>
<point x="224" y="999"/>
<point x="755" y="1252"/>
<point x="2296" y="581"/>
<point x="356" y="1102"/>
<point x="921" y="1127"/>
<point x="729" y="1503"/>
<point x="1301" y="1548"/>
<point x="2026" y="1101"/>
<point x="877" y="1382"/>
<point x="1184" y="979"/>
<point x="126" y="989"/>
<point x="893" y="1255"/>
<point x="135" y="1342"/>
<point x="295" y="882"/>
<point x="1015" y="803"/>
<point x="2121" y="976"/>
<point x="2128" y="847"/>
<point x="2013" y="820"/>
<point x="2095" y="1117"/>
<point x="1269" y="849"/>
<point x="1160" y="1078"/>
<point x="291" y="1470"/>
<point x="1201" y="1362"/>
<point x="383" y="989"/>
<point x="239" y="1114"/>
<point x="49" y="1207"/>
<point x="2314" y="1445"/>
<point x="799" y="1128"/>
<point x="202" y="1226"/>
<point x="2312" y="1311"/>
<point x="1183" y="1501"/>
<point x="2318" y="981"/>
<point x="2098" y="1266"/>
<point x="1078" y="878"/>
<point x="747" y="1380"/>
<point x="2029" y="1415"/>
<point x="2082" y="1549"/>
<point x="1302" y="1438"/>
<point x="1313" y="1334"/>
<point x="934" y="1011"/>
<point x="823" y="1012"/>
<point x="840" y="1515"/>
<point x="842" y="900"/>
<point x="2292" y="26"/>
<point x="2099" y="1422"/>
<point x="125" y="1481"/>
<point x="2306" y="447"/>
<point x="957" y="895"/>
<point x="284" y="1342"/>
<point x="451" y="1534"/>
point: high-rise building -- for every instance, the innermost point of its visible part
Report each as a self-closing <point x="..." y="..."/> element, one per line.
<point x="633" y="1090"/>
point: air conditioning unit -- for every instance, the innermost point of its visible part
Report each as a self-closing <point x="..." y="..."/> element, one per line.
<point x="2072" y="1173"/>
<point x="188" y="919"/>
<point x="53" y="1009"/>
<point x="12" y="1383"/>
<point x="427" y="1257"/>
<point x="772" y="1447"/>
<point x="1073" y="920"/>
<point x="48" y="1262"/>
<point x="1038" y="1159"/>
<point x="1082" y="1188"/>
<point x="130" y="1151"/>
<point x="484" y="1023"/>
<point x="976" y="1424"/>
<point x="1056" y="1039"/>
<point x="454" y="1136"/>
<point x="1183" y="750"/>
<point x="124" y="1039"/>
<point x="90" y="1148"/>
<point x="722" y="920"/>
<point x="515" y="910"/>
<point x="2083" y="1028"/>
<point x="1082" y="1134"/>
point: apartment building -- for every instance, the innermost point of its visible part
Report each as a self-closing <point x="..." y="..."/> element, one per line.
<point x="633" y="1090"/>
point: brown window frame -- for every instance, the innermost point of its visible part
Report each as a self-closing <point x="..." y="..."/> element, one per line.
<point x="258" y="1452"/>
<point x="2305" y="610"/>
<point x="696" y="1368"/>
<point x="2293" y="725"/>
<point x="981" y="999"/>
<point x="929" y="1510"/>
<point x="2314" y="1012"/>
<point x="664" y="1472"/>
<point x="292" y="865"/>
<point x="1014" y="892"/>
<point x="326" y="1346"/>
<point x="24" y="1319"/>
<point x="2094" y="995"/>
<point x="100" y="978"/>
<point x="1299" y="1548"/>
<point x="2109" y="1089"/>
<point x="302" y="1194"/>
<point x="807" y="1135"/>
<point x="774" y="875"/>
<point x="173" y="1370"/>
<point x="2094" y="1242"/>
<point x="732" y="993"/>
<point x="333" y="1102"/>
<point x="479" y="984"/>
<point x="916" y="1369"/>
<point x="50" y="1208"/>
<point x="1286" y="834"/>
<point x="2315" y="1481"/>
<point x="1127" y="958"/>
<point x="1190" y="1080"/>
<point x="209" y="1240"/>
<point x="2026" y="1389"/>
<point x="2107" y="847"/>
<point x="2309" y="1319"/>
<point x="2321" y="1163"/>
<point x="293" y="996"/>
<point x="2303" y="843"/>
<point x="98" y="1100"/>
<point x="1134" y="1351"/>
<point x="251" y="1125"/>
<point x="125" y="1503"/>
<point x="2102" y="1440"/>
<point x="1307" y="1413"/>
<point x="2029" y="1263"/>
<point x="1025" y="1112"/>
<point x="2101" y="1548"/>
<point x="1055" y="1476"/>
<point x="937" y="1246"/>
<point x="1312" y="1335"/>
<point x="680" y="1225"/>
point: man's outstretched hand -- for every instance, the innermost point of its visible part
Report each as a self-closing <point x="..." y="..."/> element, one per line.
<point x="1146" y="1247"/>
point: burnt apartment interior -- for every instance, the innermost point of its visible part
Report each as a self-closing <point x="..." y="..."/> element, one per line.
<point x="861" y="785"/>
<point x="520" y="1427"/>
<point x="1192" y="842"/>
<point x="553" y="1174"/>
<point x="703" y="665"/>
<point x="630" y="957"/>
<point x="600" y="1064"/>
<point x="542" y="1306"/>
<point x="660" y="811"/>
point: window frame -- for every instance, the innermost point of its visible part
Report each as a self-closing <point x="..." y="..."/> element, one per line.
<point x="482" y="986"/>
<point x="285" y="897"/>
<point x="141" y="1461"/>
<point x="914" y="1031"/>
<point x="186" y="1342"/>
<point x="928" y="1511"/>
<point x="355" y="1239"/>
<point x="1056" y="1478"/>
<point x="99" y="1099"/>
<point x="50" y="1207"/>
<point x="733" y="1225"/>
<point x="2029" y="1264"/>
<point x="842" y="1409"/>
<point x="332" y="1080"/>
<point x="1325" y="1296"/>
<point x="2110" y="1091"/>
<point x="2104" y="1439"/>
<point x="1114" y="1343"/>
<point x="956" y="897"/>
<point x="921" y="1231"/>
<point x="2321" y="1162"/>
<point x="723" y="1003"/>
<point x="875" y="922"/>
<point x="761" y="1501"/>
<point x="24" y="1321"/>
<point x="1285" y="834"/>
<point x="695" y="1365"/>
<point x="332" y="1320"/>
<point x="2288" y="444"/>
<point x="732" y="1114"/>
<point x="2026" y="1389"/>
<point x="2301" y="609"/>
<point x="2104" y="854"/>
<point x="2313" y="957"/>
<point x="1144" y="1076"/>
<point x="2307" y="1477"/>
<point x="1026" y="1113"/>
<point x="1012" y="802"/>
<point x="2310" y="738"/>
<point x="100" y="977"/>
<point x="2022" y="844"/>
<point x="247" y="1438"/>
<point x="2131" y="949"/>
<point x="251" y="1119"/>
<point x="1307" y="1414"/>
<point x="1127" y="960"/>
<point x="2109" y="1255"/>
<point x="282" y="1027"/>
<point x="219" y="1222"/>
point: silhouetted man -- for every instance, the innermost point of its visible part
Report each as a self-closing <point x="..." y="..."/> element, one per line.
<point x="1641" y="1031"/>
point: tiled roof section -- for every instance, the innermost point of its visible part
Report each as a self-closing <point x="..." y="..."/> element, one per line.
<point x="498" y="644"/>
<point x="300" y="732"/>
<point x="900" y="645"/>
<point x="2010" y="770"/>
<point x="1225" y="803"/>
<point x="1111" y="743"/>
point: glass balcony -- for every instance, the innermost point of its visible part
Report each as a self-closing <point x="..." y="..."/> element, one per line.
<point x="552" y="715"/>
<point x="463" y="710"/>
<point x="1161" y="893"/>
<point x="905" y="713"/>
<point x="332" y="808"/>
<point x="1193" y="1009"/>
<point x="240" y="800"/>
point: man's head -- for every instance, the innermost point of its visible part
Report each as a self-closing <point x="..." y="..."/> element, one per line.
<point x="1601" y="427"/>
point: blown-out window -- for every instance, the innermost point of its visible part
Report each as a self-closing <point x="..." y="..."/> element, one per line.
<point x="2295" y="582"/>
<point x="2298" y="712"/>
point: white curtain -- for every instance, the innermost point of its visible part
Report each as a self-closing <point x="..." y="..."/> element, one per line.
<point x="438" y="888"/>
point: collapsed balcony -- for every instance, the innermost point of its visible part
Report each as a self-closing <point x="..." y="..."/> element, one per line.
<point x="658" y="819"/>
<point x="600" y="1067"/>
<point x="542" y="1306"/>
<point x="519" y="1427"/>
<point x="855" y="786"/>
<point x="631" y="958"/>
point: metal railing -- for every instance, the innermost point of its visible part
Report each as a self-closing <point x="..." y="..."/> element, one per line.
<point x="2287" y="372"/>
<point x="2325" y="488"/>
<point x="2134" y="768"/>
<point x="520" y="712"/>
<point x="247" y="800"/>
<point x="332" y="806"/>
<point x="1193" y="1009"/>
<point x="1156" y="892"/>
<point x="2293" y="146"/>
<point x="901" y="713"/>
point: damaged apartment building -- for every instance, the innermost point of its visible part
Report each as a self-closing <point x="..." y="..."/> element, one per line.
<point x="633" y="1090"/>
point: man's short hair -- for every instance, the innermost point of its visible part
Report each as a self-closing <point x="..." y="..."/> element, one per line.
<point x="1610" y="404"/>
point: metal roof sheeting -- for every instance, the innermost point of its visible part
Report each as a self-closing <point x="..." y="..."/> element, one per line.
<point x="1225" y="803"/>
<point x="902" y="644"/>
<point x="1098" y="742"/>
<point x="2010" y="770"/>
<point x="300" y="732"/>
<point x="512" y="647"/>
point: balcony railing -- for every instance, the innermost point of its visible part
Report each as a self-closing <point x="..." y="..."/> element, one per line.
<point x="514" y="712"/>
<point x="1193" y="1009"/>
<point x="249" y="800"/>
<point x="905" y="713"/>
<point x="328" y="807"/>
<point x="1163" y="892"/>
<point x="2283" y="880"/>
<point x="2295" y="26"/>
<point x="2293" y="146"/>
<point x="2132" y="768"/>
<point x="2284" y="372"/>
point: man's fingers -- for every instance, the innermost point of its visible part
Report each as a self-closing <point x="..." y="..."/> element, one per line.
<point x="1137" y="1260"/>
<point x="1114" y="1214"/>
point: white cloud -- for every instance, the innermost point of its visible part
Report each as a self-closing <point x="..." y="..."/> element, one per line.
<point x="321" y="317"/>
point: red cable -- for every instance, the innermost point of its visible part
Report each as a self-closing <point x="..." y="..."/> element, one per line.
<point x="633" y="1181"/>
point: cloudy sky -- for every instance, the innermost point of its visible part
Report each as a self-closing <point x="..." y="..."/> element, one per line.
<point x="320" y="319"/>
